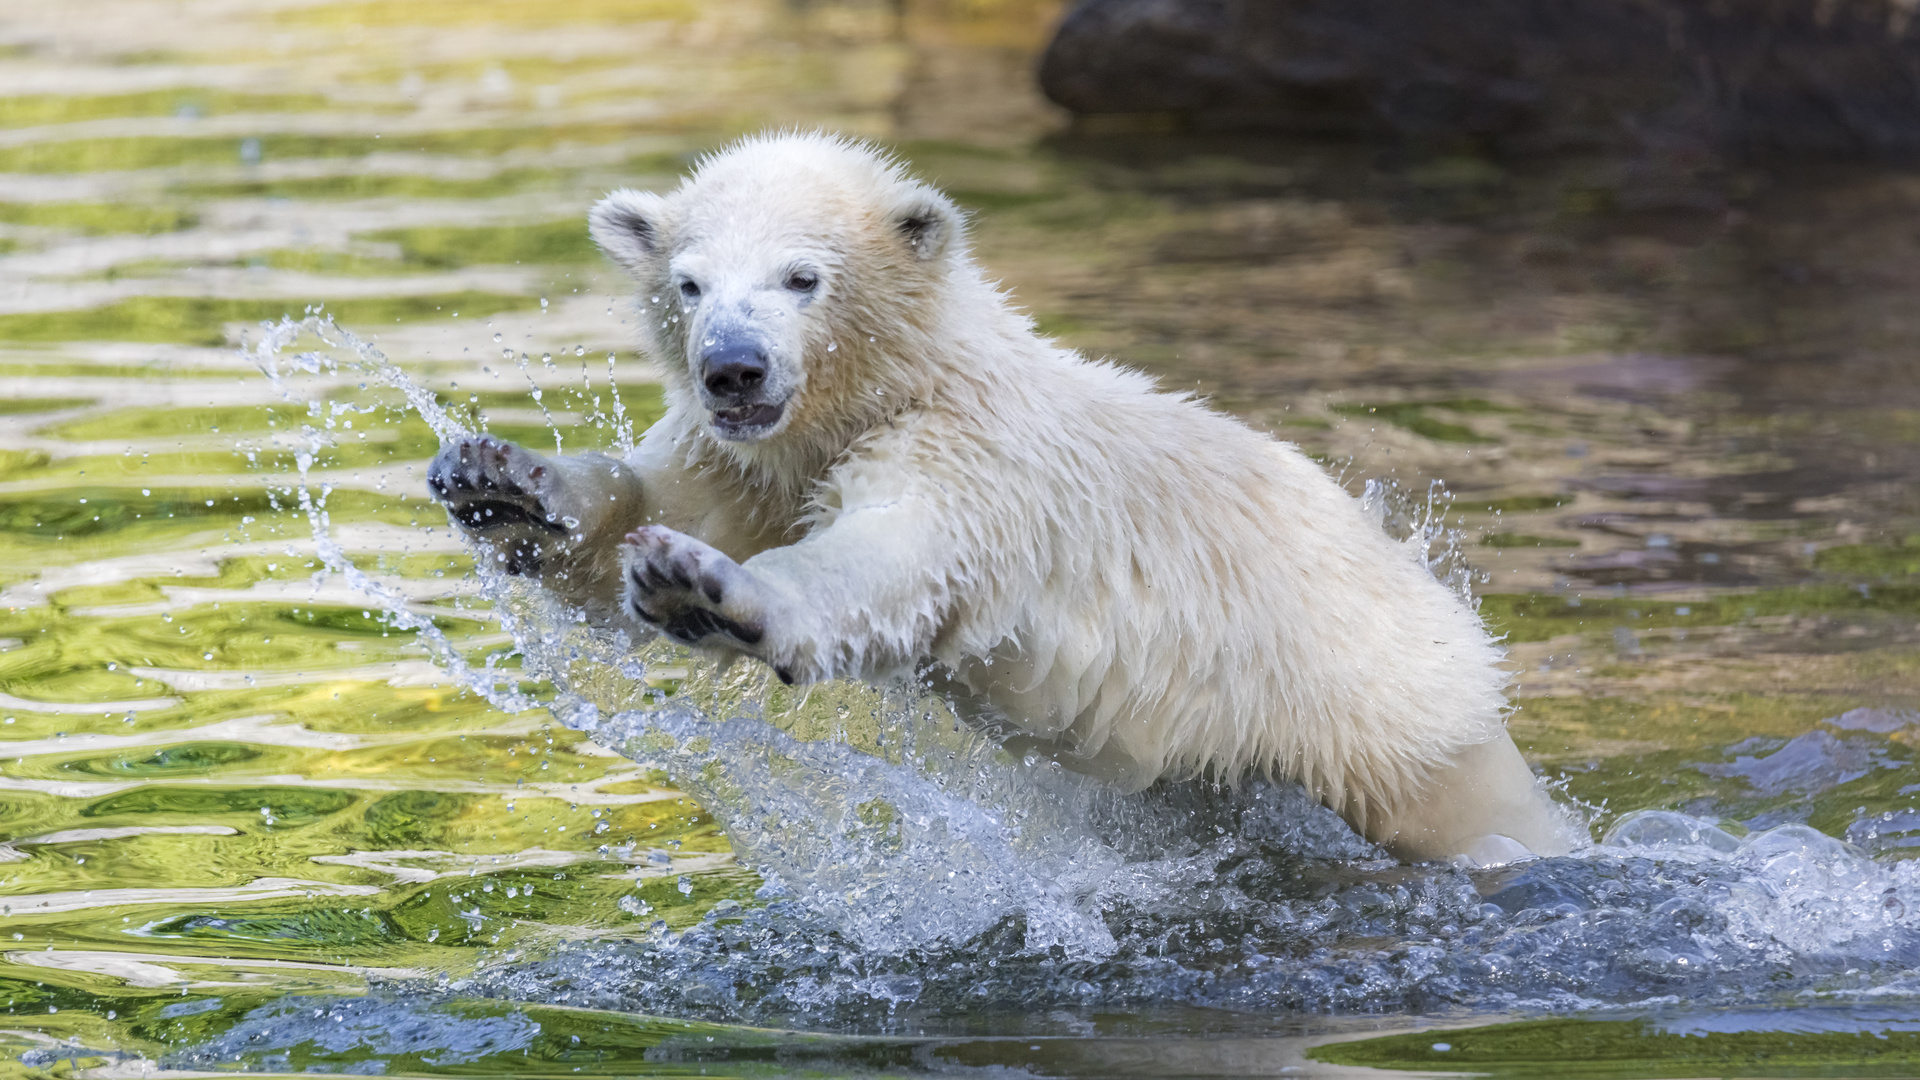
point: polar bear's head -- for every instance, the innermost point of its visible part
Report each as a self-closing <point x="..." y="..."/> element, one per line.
<point x="788" y="284"/>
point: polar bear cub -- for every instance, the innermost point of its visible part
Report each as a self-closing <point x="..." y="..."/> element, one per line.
<point x="870" y="464"/>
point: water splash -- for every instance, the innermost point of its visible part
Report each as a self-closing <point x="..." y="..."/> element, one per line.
<point x="1268" y="921"/>
<point x="913" y="869"/>
<point x="1420" y="522"/>
<point x="276" y="1033"/>
<point x="903" y="829"/>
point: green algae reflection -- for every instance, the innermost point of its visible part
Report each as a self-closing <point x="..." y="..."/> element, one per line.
<point x="1521" y="617"/>
<point x="1416" y="417"/>
<point x="560" y="241"/>
<point x="94" y="218"/>
<point x="202" y="320"/>
<point x="1631" y="1048"/>
<point x="109" y="154"/>
<point x="366" y="185"/>
<point x="184" y="102"/>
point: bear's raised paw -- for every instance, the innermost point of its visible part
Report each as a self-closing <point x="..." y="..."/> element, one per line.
<point x="502" y="493"/>
<point x="693" y="592"/>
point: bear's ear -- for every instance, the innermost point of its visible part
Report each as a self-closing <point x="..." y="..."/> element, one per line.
<point x="926" y="222"/>
<point x="627" y="226"/>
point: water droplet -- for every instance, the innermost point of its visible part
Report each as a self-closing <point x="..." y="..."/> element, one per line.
<point x="832" y="345"/>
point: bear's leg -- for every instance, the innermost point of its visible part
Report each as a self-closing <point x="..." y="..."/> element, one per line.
<point x="1485" y="805"/>
<point x="557" y="519"/>
<point x="496" y="490"/>
<point x="861" y="597"/>
<point x="695" y="594"/>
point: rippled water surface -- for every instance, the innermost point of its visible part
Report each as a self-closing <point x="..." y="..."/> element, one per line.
<point x="287" y="783"/>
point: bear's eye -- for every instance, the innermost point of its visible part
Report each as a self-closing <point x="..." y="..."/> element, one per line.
<point x="802" y="281"/>
<point x="690" y="290"/>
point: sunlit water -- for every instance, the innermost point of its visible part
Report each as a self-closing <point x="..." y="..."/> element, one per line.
<point x="291" y="783"/>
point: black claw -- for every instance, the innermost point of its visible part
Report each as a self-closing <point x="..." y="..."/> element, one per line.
<point x="523" y="559"/>
<point x="493" y="514"/>
<point x="785" y="675"/>
<point x="689" y="626"/>
<point x="697" y="623"/>
<point x="712" y="588"/>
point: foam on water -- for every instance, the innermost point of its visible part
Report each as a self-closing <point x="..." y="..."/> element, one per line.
<point x="913" y="868"/>
<point x="1269" y="920"/>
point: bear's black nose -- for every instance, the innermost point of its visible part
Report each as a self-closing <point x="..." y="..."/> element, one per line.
<point x="732" y="371"/>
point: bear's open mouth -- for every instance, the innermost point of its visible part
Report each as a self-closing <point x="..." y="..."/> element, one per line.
<point x="747" y="421"/>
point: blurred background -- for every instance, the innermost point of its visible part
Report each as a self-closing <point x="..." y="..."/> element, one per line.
<point x="1653" y="326"/>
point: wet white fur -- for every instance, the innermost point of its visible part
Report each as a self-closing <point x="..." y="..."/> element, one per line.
<point x="1145" y="587"/>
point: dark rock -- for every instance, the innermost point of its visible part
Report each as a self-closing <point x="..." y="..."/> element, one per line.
<point x="1833" y="77"/>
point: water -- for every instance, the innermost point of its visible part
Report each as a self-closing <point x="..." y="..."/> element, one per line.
<point x="290" y="783"/>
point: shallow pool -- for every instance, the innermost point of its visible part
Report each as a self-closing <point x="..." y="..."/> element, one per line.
<point x="287" y="784"/>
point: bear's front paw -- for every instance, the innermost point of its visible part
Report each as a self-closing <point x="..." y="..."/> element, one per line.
<point x="501" y="493"/>
<point x="693" y="592"/>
